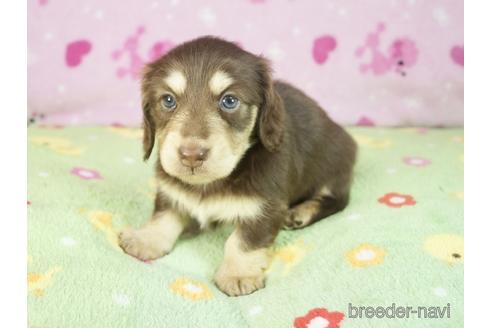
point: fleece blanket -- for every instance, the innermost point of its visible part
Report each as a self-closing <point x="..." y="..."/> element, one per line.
<point x="392" y="258"/>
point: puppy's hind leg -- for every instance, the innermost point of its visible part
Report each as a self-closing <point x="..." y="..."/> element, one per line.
<point x="323" y="204"/>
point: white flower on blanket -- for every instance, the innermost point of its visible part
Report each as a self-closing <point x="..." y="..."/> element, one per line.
<point x="365" y="255"/>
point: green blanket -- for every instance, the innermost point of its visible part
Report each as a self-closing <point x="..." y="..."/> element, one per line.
<point x="399" y="243"/>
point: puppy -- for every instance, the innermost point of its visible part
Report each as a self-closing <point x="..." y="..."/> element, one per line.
<point x="235" y="146"/>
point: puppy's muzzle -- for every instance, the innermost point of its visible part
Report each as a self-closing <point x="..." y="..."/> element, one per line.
<point x="192" y="156"/>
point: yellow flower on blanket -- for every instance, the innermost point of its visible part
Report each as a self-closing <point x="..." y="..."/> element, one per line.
<point x="38" y="282"/>
<point x="446" y="247"/>
<point x="191" y="289"/>
<point x="152" y="183"/>
<point x="289" y="256"/>
<point x="103" y="221"/>
<point x="458" y="139"/>
<point x="150" y="189"/>
<point x="372" y="142"/>
<point x="50" y="141"/>
<point x="458" y="195"/>
<point x="365" y="255"/>
<point x="68" y="150"/>
<point x="133" y="133"/>
<point x="58" y="145"/>
<point x="415" y="130"/>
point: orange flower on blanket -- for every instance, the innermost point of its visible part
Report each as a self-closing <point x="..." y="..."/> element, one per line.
<point x="103" y="221"/>
<point x="132" y="133"/>
<point x="288" y="256"/>
<point x="191" y="289"/>
<point x="458" y="139"/>
<point x="319" y="317"/>
<point x="394" y="199"/>
<point x="37" y="282"/>
<point x="370" y="142"/>
<point x="366" y="255"/>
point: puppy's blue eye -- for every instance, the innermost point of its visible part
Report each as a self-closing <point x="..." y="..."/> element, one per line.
<point x="168" y="101"/>
<point x="229" y="103"/>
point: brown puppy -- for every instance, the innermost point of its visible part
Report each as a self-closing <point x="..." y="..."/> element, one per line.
<point x="235" y="146"/>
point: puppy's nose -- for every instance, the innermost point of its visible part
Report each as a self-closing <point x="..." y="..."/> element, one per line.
<point x="193" y="155"/>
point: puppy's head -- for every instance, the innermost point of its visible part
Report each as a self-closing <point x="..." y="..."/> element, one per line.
<point x="204" y="104"/>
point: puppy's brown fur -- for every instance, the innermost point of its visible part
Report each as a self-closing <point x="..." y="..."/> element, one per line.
<point x="278" y="160"/>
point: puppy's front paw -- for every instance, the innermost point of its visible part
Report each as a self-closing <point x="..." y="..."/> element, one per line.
<point x="141" y="244"/>
<point x="237" y="286"/>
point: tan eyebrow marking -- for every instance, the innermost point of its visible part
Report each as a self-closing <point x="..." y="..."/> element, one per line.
<point x="219" y="82"/>
<point x="176" y="81"/>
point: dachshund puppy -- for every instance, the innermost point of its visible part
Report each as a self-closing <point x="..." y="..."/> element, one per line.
<point x="234" y="146"/>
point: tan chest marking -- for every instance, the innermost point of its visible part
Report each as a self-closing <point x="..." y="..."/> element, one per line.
<point x="213" y="208"/>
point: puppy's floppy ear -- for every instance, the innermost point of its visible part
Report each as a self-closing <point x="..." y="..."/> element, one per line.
<point x="148" y="122"/>
<point x="272" y="113"/>
<point x="149" y="132"/>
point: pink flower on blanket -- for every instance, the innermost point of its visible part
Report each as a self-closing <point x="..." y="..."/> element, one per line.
<point x="86" y="174"/>
<point x="416" y="161"/>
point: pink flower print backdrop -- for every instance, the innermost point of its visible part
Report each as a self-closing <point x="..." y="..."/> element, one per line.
<point x="76" y="51"/>
<point x="322" y="47"/>
<point x="136" y="62"/>
<point x="402" y="53"/>
<point x="382" y="62"/>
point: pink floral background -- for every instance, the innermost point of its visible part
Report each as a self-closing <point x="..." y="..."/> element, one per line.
<point x="378" y="62"/>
